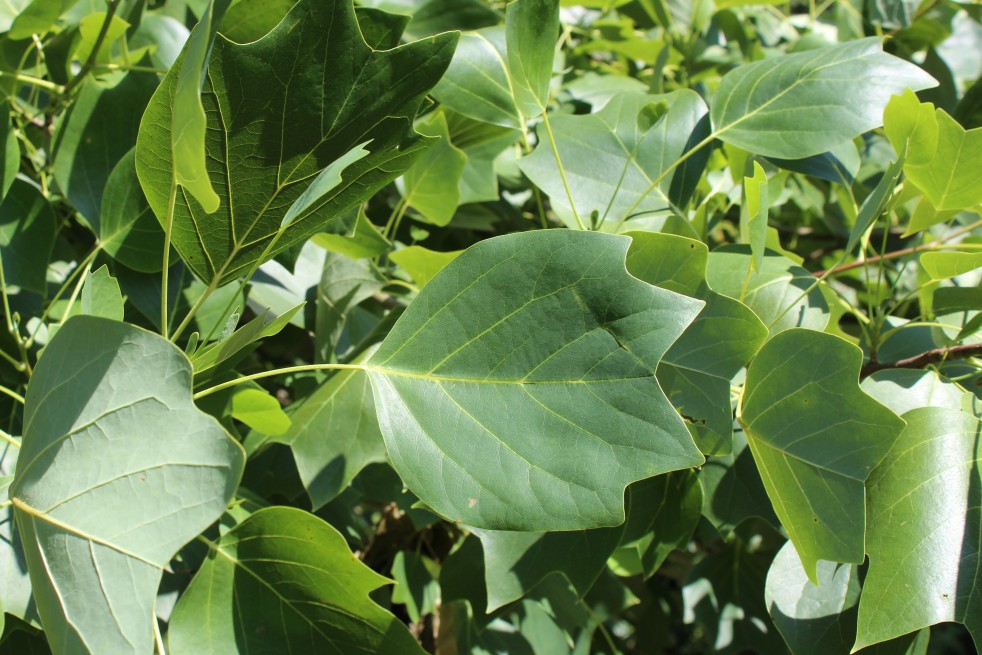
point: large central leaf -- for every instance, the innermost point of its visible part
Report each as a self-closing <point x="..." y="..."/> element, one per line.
<point x="279" y="111"/>
<point x="517" y="392"/>
<point x="118" y="470"/>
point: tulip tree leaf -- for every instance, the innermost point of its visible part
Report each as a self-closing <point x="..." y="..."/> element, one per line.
<point x="925" y="514"/>
<point x="128" y="230"/>
<point x="781" y="293"/>
<point x="101" y="295"/>
<point x="98" y="131"/>
<point x="753" y="214"/>
<point x="334" y="435"/>
<point x="814" y="468"/>
<point x="422" y="263"/>
<point x="261" y="157"/>
<point x="515" y="562"/>
<point x="431" y="185"/>
<point x="807" y="103"/>
<point x="113" y="483"/>
<point x="697" y="370"/>
<point x="285" y="579"/>
<point x="943" y="158"/>
<point x="611" y="158"/>
<point x="517" y="391"/>
<point x="821" y="619"/>
<point x="531" y="30"/>
<point x="27" y="235"/>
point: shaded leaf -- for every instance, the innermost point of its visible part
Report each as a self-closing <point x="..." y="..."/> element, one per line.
<point x="128" y="230"/>
<point x="431" y="185"/>
<point x="27" y="235"/>
<point x="611" y="158"/>
<point x="92" y="137"/>
<point x="334" y="434"/>
<point x="303" y="590"/>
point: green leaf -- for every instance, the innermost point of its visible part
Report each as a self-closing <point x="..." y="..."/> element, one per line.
<point x="944" y="265"/>
<point x="875" y="203"/>
<point x="416" y="586"/>
<point x="732" y="489"/>
<point x="27" y="235"/>
<point x="431" y="185"/>
<point x="10" y="162"/>
<point x="188" y="121"/>
<point x="722" y="594"/>
<point x="531" y="30"/>
<point x="92" y="137"/>
<point x="477" y="84"/>
<point x="365" y="242"/>
<point x="821" y="619"/>
<point x="305" y="592"/>
<point x="421" y="263"/>
<point x="262" y="157"/>
<point x="260" y="411"/>
<point x="753" y="214"/>
<point x="517" y="391"/>
<point x="482" y="143"/>
<point x="89" y="30"/>
<point x="344" y="284"/>
<point x="782" y="294"/>
<point x="101" y="295"/>
<point x="807" y="103"/>
<point x="611" y="158"/>
<point x="923" y="535"/>
<point x="817" y="619"/>
<point x="265" y="325"/>
<point x="814" y="468"/>
<point x="904" y="389"/>
<point x="128" y="230"/>
<point x="382" y="30"/>
<point x="246" y="21"/>
<point x="334" y="434"/>
<point x="37" y="17"/>
<point x="662" y="515"/>
<point x="696" y="371"/>
<point x="327" y="180"/>
<point x="515" y="562"/>
<point x="112" y="482"/>
<point x="15" y="582"/>
<point x="942" y="157"/>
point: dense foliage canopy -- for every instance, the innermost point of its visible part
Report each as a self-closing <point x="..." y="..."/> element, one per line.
<point x="403" y="326"/>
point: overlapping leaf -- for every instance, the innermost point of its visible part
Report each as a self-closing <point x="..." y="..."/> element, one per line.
<point x="517" y="392"/>
<point x="284" y="578"/>
<point x="611" y="158"/>
<point x="697" y="370"/>
<point x="925" y="517"/>
<point x="815" y="437"/>
<point x="262" y="156"/>
<point x="118" y="469"/>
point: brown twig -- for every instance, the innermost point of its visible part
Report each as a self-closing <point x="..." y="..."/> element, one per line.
<point x="934" y="356"/>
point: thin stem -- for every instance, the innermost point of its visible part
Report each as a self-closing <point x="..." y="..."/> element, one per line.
<point x="562" y="171"/>
<point x="13" y="394"/>
<point x="34" y="81"/>
<point x="934" y="356"/>
<point x="395" y="217"/>
<point x="527" y="148"/>
<point x="278" y="371"/>
<point x="9" y="439"/>
<point x="157" y="637"/>
<point x="13" y="329"/>
<point x="71" y="299"/>
<point x="210" y="289"/>
<point x="903" y="252"/>
<point x="171" y="205"/>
